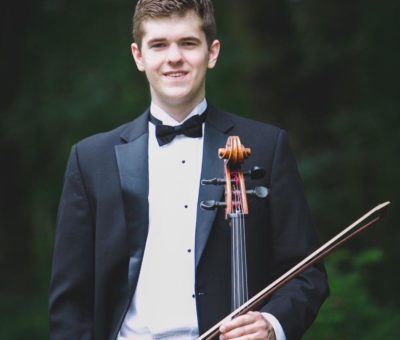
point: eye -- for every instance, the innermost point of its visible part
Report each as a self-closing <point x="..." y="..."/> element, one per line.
<point x="158" y="45"/>
<point x="189" y="43"/>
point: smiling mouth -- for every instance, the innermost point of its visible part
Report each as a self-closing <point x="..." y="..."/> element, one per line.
<point x="176" y="74"/>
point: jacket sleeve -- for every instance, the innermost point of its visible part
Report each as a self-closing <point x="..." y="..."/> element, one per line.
<point x="296" y="304"/>
<point x="71" y="286"/>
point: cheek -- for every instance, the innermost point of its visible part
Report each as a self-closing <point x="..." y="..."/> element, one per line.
<point x="201" y="63"/>
<point x="152" y="63"/>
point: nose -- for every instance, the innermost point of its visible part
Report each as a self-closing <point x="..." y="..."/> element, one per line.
<point x="174" y="54"/>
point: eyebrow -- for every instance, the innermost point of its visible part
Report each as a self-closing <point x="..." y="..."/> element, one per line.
<point x="155" y="40"/>
<point x="159" y="40"/>
<point x="191" y="38"/>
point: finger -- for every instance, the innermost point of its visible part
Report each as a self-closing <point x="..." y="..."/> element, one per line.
<point x="259" y="317"/>
<point x="265" y="329"/>
<point x="253" y="327"/>
<point x="240" y="332"/>
<point x="239" y="321"/>
<point x="259" y="335"/>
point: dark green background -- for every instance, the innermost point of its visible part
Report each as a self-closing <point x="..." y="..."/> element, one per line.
<point x="326" y="71"/>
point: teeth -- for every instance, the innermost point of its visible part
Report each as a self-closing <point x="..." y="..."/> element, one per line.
<point x="176" y="74"/>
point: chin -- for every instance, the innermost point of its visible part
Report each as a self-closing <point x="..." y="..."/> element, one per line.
<point x="178" y="98"/>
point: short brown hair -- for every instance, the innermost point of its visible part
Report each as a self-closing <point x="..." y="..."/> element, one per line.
<point x="146" y="9"/>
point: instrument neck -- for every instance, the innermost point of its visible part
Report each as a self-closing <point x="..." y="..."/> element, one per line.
<point x="238" y="261"/>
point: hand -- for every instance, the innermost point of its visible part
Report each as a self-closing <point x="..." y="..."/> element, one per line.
<point x="248" y="326"/>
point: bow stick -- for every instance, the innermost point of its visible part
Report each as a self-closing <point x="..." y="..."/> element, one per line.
<point x="367" y="220"/>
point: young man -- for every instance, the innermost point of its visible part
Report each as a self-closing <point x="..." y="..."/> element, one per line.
<point x="135" y="257"/>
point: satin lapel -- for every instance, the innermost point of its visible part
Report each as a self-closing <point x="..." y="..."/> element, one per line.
<point x="132" y="159"/>
<point x="212" y="167"/>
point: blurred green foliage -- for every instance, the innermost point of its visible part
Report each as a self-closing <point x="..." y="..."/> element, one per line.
<point x="326" y="71"/>
<point x="351" y="312"/>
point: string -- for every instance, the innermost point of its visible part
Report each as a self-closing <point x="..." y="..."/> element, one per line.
<point x="238" y="247"/>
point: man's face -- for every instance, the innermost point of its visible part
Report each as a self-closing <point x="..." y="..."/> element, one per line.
<point x="175" y="57"/>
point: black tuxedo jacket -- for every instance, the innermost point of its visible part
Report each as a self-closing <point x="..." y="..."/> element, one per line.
<point x="103" y="221"/>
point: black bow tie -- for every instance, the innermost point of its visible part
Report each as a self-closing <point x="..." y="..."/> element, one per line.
<point x="190" y="128"/>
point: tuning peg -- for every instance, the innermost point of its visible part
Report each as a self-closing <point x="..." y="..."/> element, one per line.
<point x="259" y="192"/>
<point x="211" y="204"/>
<point x="255" y="172"/>
<point x="214" y="181"/>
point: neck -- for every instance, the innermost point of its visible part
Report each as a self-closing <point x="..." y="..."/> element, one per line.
<point x="178" y="111"/>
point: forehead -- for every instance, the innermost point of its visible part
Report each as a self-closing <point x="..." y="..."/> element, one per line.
<point x="173" y="27"/>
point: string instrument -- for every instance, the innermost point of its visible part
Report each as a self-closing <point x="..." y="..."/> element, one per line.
<point x="236" y="208"/>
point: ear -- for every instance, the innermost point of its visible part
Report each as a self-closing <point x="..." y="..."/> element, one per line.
<point x="137" y="55"/>
<point x="213" y="53"/>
